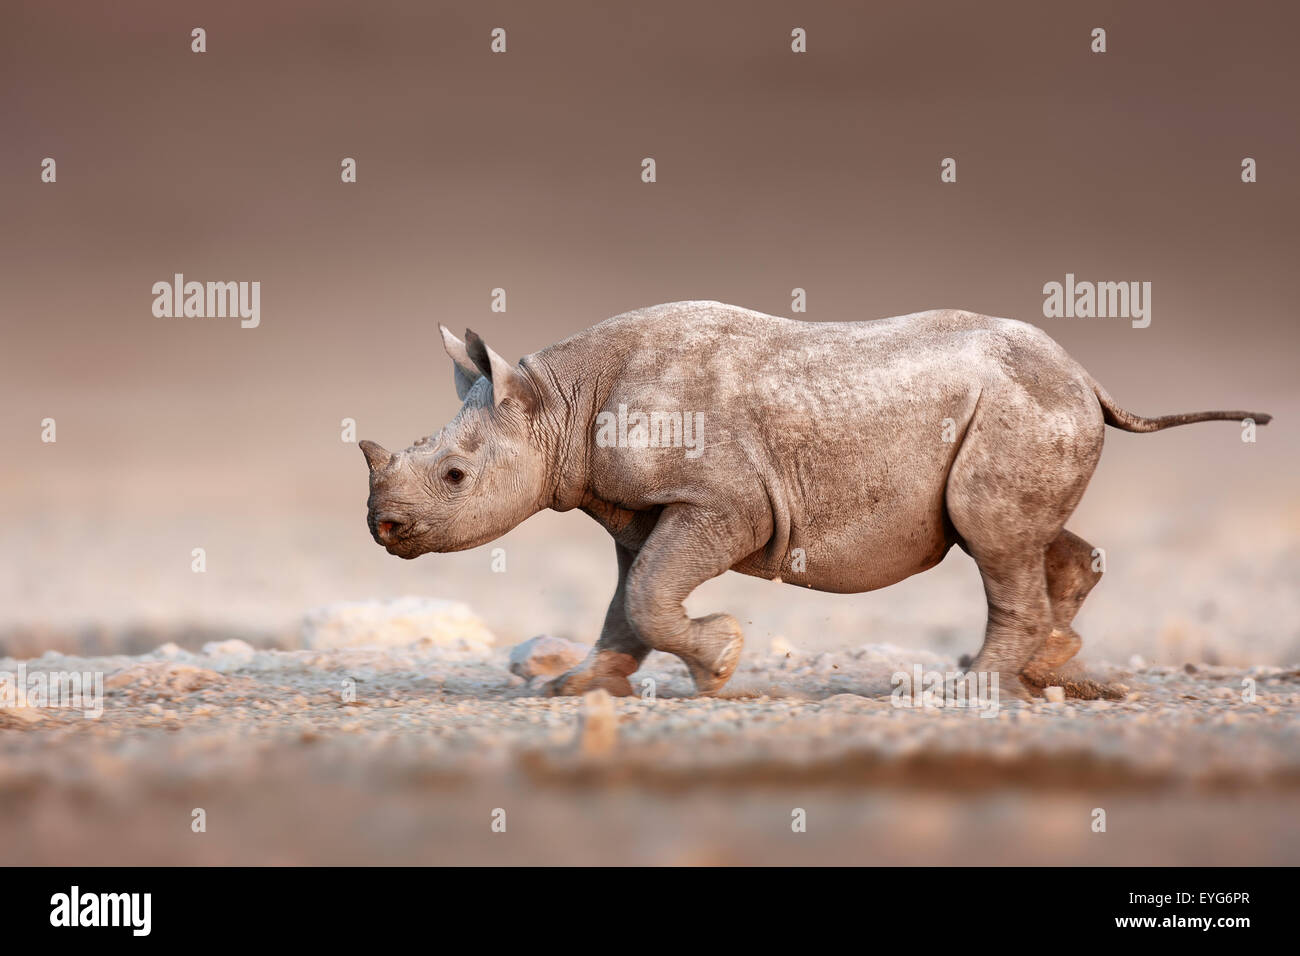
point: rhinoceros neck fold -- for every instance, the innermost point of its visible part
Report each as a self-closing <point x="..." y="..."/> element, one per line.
<point x="572" y="389"/>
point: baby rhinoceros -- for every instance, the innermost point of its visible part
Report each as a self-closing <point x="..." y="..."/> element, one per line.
<point x="841" y="456"/>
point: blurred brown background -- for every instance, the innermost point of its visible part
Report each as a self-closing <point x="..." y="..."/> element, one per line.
<point x="522" y="171"/>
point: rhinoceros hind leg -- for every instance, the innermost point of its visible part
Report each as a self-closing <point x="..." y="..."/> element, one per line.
<point x="1014" y="482"/>
<point x="1070" y="576"/>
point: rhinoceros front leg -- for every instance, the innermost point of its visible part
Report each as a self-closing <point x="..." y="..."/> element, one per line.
<point x="618" y="652"/>
<point x="688" y="546"/>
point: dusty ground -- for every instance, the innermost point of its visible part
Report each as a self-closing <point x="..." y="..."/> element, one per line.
<point x="438" y="738"/>
<point x="1203" y="551"/>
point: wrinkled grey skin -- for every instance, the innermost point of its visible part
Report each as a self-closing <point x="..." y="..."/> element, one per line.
<point x="872" y="446"/>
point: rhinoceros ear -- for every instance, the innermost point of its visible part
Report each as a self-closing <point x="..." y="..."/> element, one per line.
<point x="465" y="372"/>
<point x="507" y="381"/>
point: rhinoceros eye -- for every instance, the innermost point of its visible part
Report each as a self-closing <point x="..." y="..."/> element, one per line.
<point x="453" y="475"/>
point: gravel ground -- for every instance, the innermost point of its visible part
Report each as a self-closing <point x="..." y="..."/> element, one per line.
<point x="409" y="754"/>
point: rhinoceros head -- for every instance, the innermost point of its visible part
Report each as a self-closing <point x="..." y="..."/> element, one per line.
<point x="475" y="479"/>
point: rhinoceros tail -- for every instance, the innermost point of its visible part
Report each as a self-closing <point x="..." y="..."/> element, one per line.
<point x="1127" y="421"/>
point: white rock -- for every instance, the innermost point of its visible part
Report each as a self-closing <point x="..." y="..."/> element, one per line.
<point x="546" y="656"/>
<point x="1054" y="695"/>
<point x="447" y="625"/>
<point x="231" y="648"/>
<point x="780" y="647"/>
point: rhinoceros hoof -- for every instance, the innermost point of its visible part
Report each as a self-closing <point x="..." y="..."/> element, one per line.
<point x="1060" y="646"/>
<point x="603" y="669"/>
<point x="716" y="646"/>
